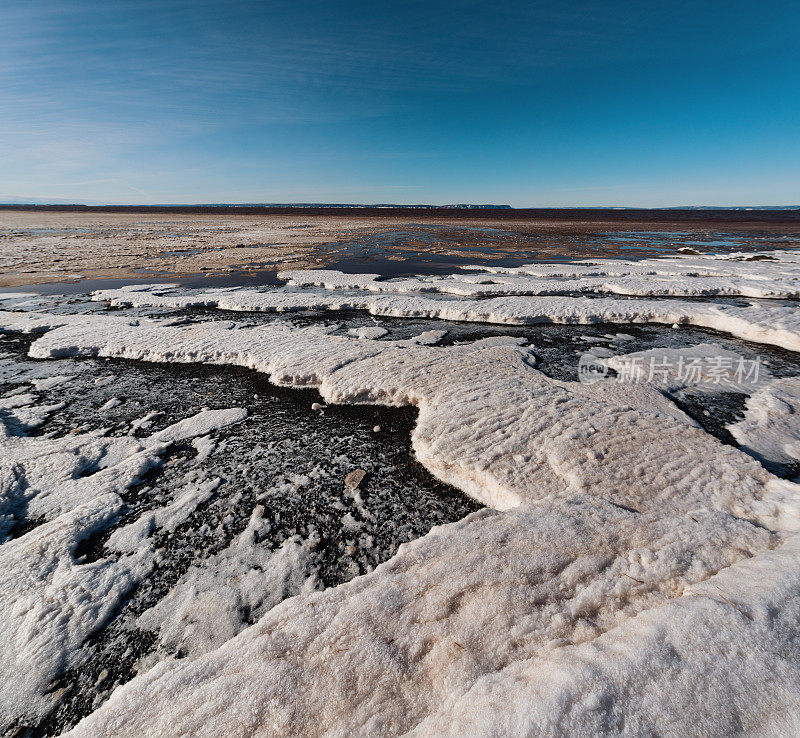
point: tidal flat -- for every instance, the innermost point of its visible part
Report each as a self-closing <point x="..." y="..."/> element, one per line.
<point x="398" y="475"/>
<point x="219" y="246"/>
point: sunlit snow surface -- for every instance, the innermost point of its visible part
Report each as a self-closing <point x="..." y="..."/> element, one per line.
<point x="173" y="503"/>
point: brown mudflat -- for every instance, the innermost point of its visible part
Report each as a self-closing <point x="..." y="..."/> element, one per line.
<point x="57" y="244"/>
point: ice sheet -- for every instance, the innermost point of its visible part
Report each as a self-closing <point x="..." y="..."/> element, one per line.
<point x="633" y="573"/>
<point x="778" y="325"/>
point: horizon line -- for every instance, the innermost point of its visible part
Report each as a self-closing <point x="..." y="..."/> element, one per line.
<point x="19" y="203"/>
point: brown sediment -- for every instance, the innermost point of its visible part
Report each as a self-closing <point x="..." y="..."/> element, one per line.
<point x="45" y="245"/>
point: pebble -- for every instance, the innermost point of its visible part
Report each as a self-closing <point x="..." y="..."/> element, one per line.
<point x="353" y="479"/>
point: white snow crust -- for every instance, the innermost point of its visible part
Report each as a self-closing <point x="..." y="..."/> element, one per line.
<point x="771" y="275"/>
<point x="631" y="573"/>
<point x="771" y="425"/>
<point x="705" y="367"/>
<point x="556" y="457"/>
<point x="203" y="610"/>
<point x="488" y="422"/>
<point x="778" y="325"/>
<point x="50" y="601"/>
<point x="132" y="537"/>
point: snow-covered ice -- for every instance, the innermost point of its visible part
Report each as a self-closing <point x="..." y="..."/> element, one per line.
<point x="476" y="600"/>
<point x="773" y="275"/>
<point x="111" y="404"/>
<point x="631" y="572"/>
<point x="204" y="609"/>
<point x="771" y="424"/>
<point x="700" y="368"/>
<point x="488" y="423"/>
<point x="51" y="601"/>
<point x="368" y="332"/>
<point x="774" y="324"/>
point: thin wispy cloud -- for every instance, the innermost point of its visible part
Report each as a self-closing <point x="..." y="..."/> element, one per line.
<point x="516" y="96"/>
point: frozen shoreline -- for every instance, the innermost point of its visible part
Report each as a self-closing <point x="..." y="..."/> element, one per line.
<point x="225" y="247"/>
<point x="628" y="554"/>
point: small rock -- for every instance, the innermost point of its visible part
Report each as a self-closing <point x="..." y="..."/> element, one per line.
<point x="317" y="406"/>
<point x="376" y="429"/>
<point x="354" y="478"/>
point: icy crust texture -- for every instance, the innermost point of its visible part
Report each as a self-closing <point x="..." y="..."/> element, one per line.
<point x="771" y="425"/>
<point x="476" y="600"/>
<point x="202" y="610"/>
<point x="489" y="423"/>
<point x="773" y="274"/>
<point x="634" y="575"/>
<point x="773" y="324"/>
<point x="705" y="367"/>
<point x="51" y="602"/>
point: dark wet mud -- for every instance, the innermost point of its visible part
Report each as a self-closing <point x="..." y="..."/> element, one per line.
<point x="287" y="457"/>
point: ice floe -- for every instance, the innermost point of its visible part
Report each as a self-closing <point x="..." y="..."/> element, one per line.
<point x="701" y="368"/>
<point x="488" y="423"/>
<point x="767" y="275"/>
<point x="778" y="325"/>
<point x="771" y="425"/>
<point x="368" y="332"/>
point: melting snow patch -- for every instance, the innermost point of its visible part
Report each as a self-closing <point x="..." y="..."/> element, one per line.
<point x="215" y="600"/>
<point x="771" y="425"/>
<point x="51" y="601"/>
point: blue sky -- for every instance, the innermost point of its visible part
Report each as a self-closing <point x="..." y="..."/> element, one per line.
<point x="530" y="104"/>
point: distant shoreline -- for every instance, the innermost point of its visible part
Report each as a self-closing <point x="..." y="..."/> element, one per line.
<point x="709" y="215"/>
